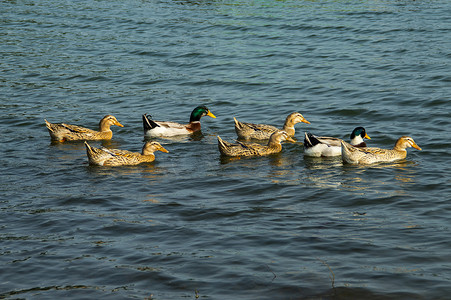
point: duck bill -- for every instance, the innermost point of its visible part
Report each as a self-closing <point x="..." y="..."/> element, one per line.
<point x="211" y="115"/>
<point x="305" y="121"/>
<point x="290" y="139"/>
<point x="416" y="146"/>
<point x="118" y="124"/>
<point x="162" y="149"/>
<point x="367" y="136"/>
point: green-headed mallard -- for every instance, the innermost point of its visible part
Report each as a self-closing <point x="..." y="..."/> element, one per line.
<point x="154" y="128"/>
<point x="253" y="149"/>
<point x="370" y="155"/>
<point x="62" y="132"/>
<point x="263" y="132"/>
<point x="114" y="157"/>
<point x="318" y="146"/>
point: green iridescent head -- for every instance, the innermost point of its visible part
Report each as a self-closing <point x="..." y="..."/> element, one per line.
<point x="199" y="112"/>
<point x="359" y="131"/>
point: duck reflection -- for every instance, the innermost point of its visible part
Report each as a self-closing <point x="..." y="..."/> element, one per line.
<point x="376" y="179"/>
<point x="316" y="163"/>
<point x="331" y="172"/>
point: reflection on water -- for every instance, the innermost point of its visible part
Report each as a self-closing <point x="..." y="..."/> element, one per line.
<point x="176" y="225"/>
<point x="146" y="170"/>
<point x="39" y="290"/>
<point x="153" y="198"/>
<point x="318" y="163"/>
<point x="332" y="173"/>
<point x="384" y="178"/>
<point x="329" y="172"/>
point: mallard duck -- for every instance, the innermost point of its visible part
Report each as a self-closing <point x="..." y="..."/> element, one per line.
<point x="253" y="149"/>
<point x="64" y="132"/>
<point x="370" y="155"/>
<point x="317" y="146"/>
<point x="249" y="131"/>
<point x="114" y="157"/>
<point x="154" y="128"/>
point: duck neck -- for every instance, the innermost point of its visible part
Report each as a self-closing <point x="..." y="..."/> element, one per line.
<point x="194" y="119"/>
<point x="147" y="152"/>
<point x="274" y="146"/>
<point x="104" y="127"/>
<point x="288" y="126"/>
<point x="147" y="157"/>
<point x="289" y="129"/>
<point x="357" y="140"/>
<point x="400" y="145"/>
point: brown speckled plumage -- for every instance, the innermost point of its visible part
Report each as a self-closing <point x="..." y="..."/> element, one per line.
<point x="62" y="132"/>
<point x="253" y="149"/>
<point x="370" y="155"/>
<point x="248" y="131"/>
<point x="115" y="157"/>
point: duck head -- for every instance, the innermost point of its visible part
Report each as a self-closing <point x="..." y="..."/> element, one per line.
<point x="151" y="146"/>
<point x="199" y="112"/>
<point x="406" y="142"/>
<point x="295" y="118"/>
<point x="107" y="121"/>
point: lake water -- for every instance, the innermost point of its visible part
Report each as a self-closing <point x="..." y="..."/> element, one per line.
<point x="192" y="225"/>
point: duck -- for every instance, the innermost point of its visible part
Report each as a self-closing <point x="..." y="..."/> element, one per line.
<point x="371" y="155"/>
<point x="154" y="128"/>
<point x="115" y="157"/>
<point x="317" y="146"/>
<point x="254" y="149"/>
<point x="61" y="132"/>
<point x="247" y="131"/>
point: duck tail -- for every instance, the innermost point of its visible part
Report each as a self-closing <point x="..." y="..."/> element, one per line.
<point x="310" y="140"/>
<point x="89" y="151"/>
<point x="237" y="123"/>
<point x="349" y="153"/>
<point x="49" y="125"/>
<point x="348" y="147"/>
<point x="96" y="156"/>
<point x="220" y="142"/>
<point x="222" y="145"/>
<point x="148" y="123"/>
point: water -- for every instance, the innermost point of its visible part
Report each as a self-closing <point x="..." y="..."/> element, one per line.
<point x="195" y="225"/>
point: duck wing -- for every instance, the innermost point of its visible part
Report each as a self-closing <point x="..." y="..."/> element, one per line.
<point x="311" y="140"/>
<point x="238" y="148"/>
<point x="97" y="156"/>
<point x="76" y="129"/>
<point x="261" y="127"/>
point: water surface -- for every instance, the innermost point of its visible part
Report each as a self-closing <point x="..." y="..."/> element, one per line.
<point x="193" y="224"/>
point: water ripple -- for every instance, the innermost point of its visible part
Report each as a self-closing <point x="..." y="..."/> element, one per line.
<point x="194" y="224"/>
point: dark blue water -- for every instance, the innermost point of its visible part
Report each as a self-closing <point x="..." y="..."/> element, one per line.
<point x="192" y="224"/>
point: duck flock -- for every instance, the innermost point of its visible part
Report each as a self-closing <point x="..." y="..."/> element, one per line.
<point x="354" y="152"/>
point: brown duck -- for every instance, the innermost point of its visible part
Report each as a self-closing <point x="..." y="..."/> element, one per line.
<point x="62" y="132"/>
<point x="371" y="155"/>
<point x="249" y="131"/>
<point x="115" y="157"/>
<point x="253" y="149"/>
